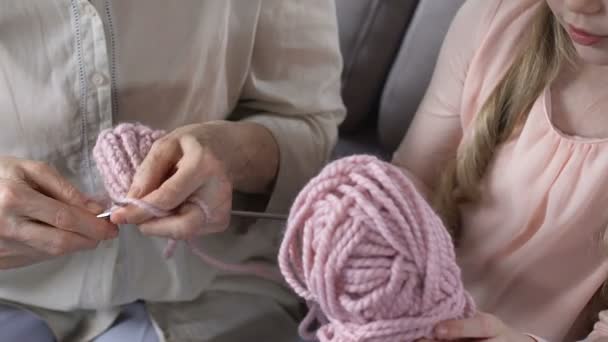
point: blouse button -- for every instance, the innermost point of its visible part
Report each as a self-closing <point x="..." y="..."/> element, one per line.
<point x="89" y="10"/>
<point x="98" y="79"/>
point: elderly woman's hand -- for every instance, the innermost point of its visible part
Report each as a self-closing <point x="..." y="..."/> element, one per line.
<point x="43" y="216"/>
<point x="205" y="161"/>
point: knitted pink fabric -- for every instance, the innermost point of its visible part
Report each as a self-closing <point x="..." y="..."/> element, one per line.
<point x="118" y="152"/>
<point x="370" y="256"/>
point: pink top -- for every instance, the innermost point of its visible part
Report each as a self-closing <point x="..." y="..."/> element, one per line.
<point x="531" y="251"/>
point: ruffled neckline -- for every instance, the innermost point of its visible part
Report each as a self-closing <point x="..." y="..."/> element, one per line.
<point x="575" y="139"/>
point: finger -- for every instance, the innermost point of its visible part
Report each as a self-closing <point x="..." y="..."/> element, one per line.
<point x="196" y="216"/>
<point x="480" y="326"/>
<point x="188" y="222"/>
<point x="194" y="169"/>
<point x="49" y="240"/>
<point x="196" y="165"/>
<point x="47" y="180"/>
<point x="66" y="217"/>
<point x="155" y="168"/>
<point x="10" y="249"/>
<point x="21" y="260"/>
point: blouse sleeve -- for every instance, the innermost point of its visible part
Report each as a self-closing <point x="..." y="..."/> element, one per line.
<point x="293" y="89"/>
<point x="435" y="132"/>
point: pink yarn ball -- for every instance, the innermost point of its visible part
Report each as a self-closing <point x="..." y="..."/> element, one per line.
<point x="365" y="248"/>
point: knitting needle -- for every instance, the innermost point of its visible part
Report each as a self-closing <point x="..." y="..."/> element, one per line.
<point x="105" y="214"/>
<point x="259" y="215"/>
<point x="239" y="213"/>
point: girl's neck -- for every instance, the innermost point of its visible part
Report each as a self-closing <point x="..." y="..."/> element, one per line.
<point x="592" y="76"/>
<point x="580" y="101"/>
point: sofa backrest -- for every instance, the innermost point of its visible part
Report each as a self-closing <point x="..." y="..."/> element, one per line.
<point x="371" y="32"/>
<point x="413" y="68"/>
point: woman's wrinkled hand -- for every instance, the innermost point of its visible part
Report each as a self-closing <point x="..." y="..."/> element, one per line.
<point x="190" y="165"/>
<point x="200" y="163"/>
<point x="43" y="216"/>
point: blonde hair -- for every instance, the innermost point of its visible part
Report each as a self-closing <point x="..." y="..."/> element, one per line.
<point x="546" y="52"/>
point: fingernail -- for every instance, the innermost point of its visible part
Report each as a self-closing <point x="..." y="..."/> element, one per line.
<point x="118" y="217"/>
<point x="441" y="332"/>
<point x="117" y="220"/>
<point x="113" y="234"/>
<point x="94" y="206"/>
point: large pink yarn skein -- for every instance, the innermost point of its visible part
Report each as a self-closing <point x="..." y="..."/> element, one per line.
<point x="370" y="256"/>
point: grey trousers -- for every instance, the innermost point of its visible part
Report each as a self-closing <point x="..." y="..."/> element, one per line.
<point x="133" y="324"/>
<point x="214" y="317"/>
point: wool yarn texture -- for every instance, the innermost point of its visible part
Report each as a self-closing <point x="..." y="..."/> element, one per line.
<point x="117" y="153"/>
<point x="370" y="256"/>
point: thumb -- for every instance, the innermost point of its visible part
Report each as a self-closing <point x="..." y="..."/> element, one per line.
<point x="154" y="169"/>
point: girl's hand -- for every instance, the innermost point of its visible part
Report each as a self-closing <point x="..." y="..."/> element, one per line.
<point x="482" y="327"/>
<point x="204" y="161"/>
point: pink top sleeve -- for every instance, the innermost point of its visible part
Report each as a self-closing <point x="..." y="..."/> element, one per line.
<point x="436" y="130"/>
